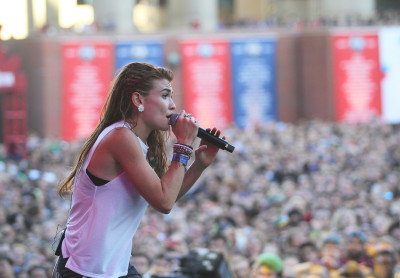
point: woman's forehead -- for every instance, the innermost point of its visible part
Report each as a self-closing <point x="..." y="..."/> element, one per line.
<point x="162" y="83"/>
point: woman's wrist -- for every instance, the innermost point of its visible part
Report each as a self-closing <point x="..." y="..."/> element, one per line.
<point x="183" y="149"/>
<point x="182" y="153"/>
<point x="184" y="145"/>
<point x="184" y="142"/>
<point x="182" y="159"/>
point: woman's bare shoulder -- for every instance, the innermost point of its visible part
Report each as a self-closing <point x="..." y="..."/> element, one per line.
<point x="122" y="138"/>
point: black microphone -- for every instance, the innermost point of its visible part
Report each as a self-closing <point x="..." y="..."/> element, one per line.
<point x="203" y="134"/>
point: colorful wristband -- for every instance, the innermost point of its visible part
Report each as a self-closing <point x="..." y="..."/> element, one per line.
<point x="180" y="158"/>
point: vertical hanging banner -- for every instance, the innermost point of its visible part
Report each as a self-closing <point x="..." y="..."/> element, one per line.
<point x="87" y="70"/>
<point x="254" y="79"/>
<point x="206" y="81"/>
<point x="357" y="75"/>
<point x="389" y="48"/>
<point x="149" y="52"/>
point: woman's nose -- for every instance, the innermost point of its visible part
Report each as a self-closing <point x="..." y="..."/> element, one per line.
<point x="172" y="105"/>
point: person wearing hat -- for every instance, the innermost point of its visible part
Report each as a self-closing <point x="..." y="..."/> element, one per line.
<point x="356" y="251"/>
<point x="267" y="265"/>
<point x="330" y="253"/>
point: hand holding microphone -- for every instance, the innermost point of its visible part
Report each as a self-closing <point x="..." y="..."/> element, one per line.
<point x="205" y="135"/>
<point x="184" y="127"/>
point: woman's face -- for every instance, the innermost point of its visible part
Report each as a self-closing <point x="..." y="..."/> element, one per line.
<point x="158" y="105"/>
<point x="264" y="272"/>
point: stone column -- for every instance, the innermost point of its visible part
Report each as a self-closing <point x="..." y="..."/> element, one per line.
<point x="52" y="13"/>
<point x="345" y="10"/>
<point x="115" y="15"/>
<point x="257" y="10"/>
<point x="183" y="14"/>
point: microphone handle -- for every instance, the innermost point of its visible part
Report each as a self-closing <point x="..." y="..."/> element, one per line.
<point x="203" y="134"/>
<point x="215" y="140"/>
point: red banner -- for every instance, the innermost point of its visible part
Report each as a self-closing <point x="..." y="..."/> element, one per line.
<point x="206" y="75"/>
<point x="357" y="76"/>
<point x="86" y="75"/>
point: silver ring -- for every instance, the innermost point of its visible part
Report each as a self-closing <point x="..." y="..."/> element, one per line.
<point x="187" y="115"/>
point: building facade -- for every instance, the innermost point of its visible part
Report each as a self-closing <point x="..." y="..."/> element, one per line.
<point x="22" y="18"/>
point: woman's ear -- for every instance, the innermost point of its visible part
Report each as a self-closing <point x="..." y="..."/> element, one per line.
<point x="137" y="99"/>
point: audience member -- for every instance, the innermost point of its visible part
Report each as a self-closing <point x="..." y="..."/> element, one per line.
<point x="267" y="265"/>
<point x="6" y="267"/>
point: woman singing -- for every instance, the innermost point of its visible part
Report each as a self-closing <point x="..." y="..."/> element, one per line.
<point x="122" y="168"/>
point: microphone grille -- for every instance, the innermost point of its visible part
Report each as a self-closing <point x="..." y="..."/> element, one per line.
<point x="173" y="119"/>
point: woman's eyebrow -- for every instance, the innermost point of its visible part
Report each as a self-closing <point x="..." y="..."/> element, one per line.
<point x="169" y="90"/>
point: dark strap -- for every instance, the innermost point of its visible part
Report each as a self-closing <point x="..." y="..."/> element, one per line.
<point x="58" y="250"/>
<point x="96" y="181"/>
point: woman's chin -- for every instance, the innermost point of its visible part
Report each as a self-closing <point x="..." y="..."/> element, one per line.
<point x="164" y="128"/>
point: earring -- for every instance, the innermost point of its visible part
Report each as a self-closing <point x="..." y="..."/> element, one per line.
<point x="141" y="108"/>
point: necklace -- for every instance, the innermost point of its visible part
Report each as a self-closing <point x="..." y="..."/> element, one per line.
<point x="133" y="131"/>
<point x="131" y="128"/>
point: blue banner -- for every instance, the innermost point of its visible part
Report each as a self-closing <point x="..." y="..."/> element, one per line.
<point x="254" y="81"/>
<point x="139" y="51"/>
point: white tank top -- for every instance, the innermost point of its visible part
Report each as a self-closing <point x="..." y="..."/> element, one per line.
<point x="102" y="221"/>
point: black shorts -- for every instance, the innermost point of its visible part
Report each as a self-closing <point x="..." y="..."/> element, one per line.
<point x="63" y="272"/>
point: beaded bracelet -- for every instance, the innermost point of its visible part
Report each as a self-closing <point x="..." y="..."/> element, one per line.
<point x="183" y="149"/>
<point x="183" y="152"/>
<point x="188" y="146"/>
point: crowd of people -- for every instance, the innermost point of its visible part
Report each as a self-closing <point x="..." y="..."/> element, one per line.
<point x="314" y="199"/>
<point x="385" y="18"/>
<point x="272" y="22"/>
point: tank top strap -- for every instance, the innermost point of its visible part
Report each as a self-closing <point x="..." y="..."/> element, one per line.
<point x="99" y="138"/>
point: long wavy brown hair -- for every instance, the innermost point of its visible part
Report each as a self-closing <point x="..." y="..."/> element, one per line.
<point x="133" y="77"/>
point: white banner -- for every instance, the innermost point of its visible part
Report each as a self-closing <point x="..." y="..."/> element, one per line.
<point x="7" y="79"/>
<point x="389" y="52"/>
